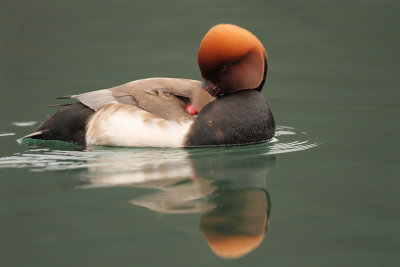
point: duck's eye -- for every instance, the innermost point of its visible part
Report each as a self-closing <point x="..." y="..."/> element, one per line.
<point x="223" y="68"/>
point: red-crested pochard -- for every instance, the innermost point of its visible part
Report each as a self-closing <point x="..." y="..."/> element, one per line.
<point x="158" y="111"/>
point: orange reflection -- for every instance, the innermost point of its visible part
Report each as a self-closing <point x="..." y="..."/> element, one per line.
<point x="236" y="227"/>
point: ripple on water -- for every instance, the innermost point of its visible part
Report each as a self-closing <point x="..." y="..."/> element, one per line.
<point x="23" y="123"/>
<point x="62" y="157"/>
<point x="6" y="134"/>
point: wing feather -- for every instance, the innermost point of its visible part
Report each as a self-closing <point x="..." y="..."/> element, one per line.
<point x="125" y="93"/>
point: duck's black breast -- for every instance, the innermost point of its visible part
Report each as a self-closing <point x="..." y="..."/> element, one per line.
<point x="240" y="118"/>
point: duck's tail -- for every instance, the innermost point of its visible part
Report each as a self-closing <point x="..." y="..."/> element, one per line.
<point x="67" y="124"/>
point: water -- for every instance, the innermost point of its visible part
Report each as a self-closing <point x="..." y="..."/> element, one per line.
<point x="324" y="192"/>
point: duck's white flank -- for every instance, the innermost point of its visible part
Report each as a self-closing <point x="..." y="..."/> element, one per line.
<point x="117" y="124"/>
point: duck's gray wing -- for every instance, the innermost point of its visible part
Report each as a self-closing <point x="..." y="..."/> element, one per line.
<point x="125" y="93"/>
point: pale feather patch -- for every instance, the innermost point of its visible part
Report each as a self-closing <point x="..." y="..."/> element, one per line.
<point x="117" y="124"/>
<point x="96" y="99"/>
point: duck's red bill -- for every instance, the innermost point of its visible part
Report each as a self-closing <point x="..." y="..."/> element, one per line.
<point x="191" y="110"/>
<point x="211" y="88"/>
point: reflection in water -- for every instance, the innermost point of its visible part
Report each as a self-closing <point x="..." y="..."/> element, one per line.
<point x="226" y="186"/>
<point x="237" y="224"/>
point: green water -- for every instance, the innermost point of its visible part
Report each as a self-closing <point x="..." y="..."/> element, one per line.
<point x="323" y="193"/>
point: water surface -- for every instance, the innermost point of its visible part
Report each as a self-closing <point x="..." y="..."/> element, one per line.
<point x="324" y="192"/>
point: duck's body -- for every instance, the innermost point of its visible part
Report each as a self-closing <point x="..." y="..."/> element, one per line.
<point x="147" y="112"/>
<point x="151" y="112"/>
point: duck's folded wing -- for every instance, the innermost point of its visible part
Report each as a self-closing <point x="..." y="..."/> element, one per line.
<point x="125" y="93"/>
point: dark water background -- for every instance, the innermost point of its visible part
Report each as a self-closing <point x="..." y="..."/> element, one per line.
<point x="331" y="176"/>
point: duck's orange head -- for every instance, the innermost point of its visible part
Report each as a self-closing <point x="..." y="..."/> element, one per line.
<point x="231" y="59"/>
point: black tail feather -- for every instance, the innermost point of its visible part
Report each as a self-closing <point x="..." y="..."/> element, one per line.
<point x="67" y="124"/>
<point x="64" y="97"/>
<point x="58" y="105"/>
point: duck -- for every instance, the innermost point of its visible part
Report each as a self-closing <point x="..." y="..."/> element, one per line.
<point x="226" y="108"/>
